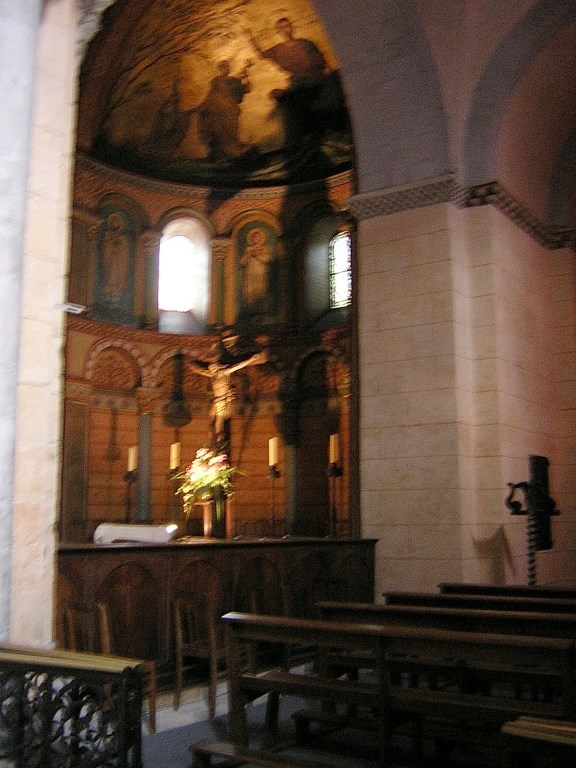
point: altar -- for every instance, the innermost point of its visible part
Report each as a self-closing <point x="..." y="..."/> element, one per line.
<point x="139" y="581"/>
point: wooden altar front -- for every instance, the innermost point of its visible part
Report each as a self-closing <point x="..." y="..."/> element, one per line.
<point x="138" y="582"/>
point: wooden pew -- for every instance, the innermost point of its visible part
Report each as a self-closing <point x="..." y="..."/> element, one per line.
<point x="531" y="623"/>
<point x="455" y="655"/>
<point x="528" y="737"/>
<point x="243" y="687"/>
<point x="242" y="630"/>
<point x="509" y="590"/>
<point x="453" y="619"/>
<point x="491" y="602"/>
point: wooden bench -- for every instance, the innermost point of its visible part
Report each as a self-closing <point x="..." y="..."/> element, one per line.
<point x="315" y="681"/>
<point x="527" y="737"/>
<point x="456" y="619"/>
<point x="508" y="590"/>
<point x="452" y="619"/>
<point x="491" y="602"/>
<point x="235" y="754"/>
<point x="454" y="656"/>
<point x="74" y="702"/>
<point x="242" y="630"/>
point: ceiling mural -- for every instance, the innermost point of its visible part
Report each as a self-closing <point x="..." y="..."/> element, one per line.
<point x="220" y="92"/>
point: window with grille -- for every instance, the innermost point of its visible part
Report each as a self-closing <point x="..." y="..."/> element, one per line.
<point x="340" y="256"/>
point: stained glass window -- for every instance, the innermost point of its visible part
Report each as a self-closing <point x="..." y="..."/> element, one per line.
<point x="340" y="270"/>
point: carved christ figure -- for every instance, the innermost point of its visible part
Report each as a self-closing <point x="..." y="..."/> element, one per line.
<point x="220" y="374"/>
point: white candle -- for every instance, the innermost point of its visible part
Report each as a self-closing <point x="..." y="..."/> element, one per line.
<point x="272" y="451"/>
<point x="334" y="452"/>
<point x="132" y="458"/>
<point x="174" y="455"/>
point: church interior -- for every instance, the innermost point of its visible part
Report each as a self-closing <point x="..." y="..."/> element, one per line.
<point x="256" y="187"/>
<point x="332" y="248"/>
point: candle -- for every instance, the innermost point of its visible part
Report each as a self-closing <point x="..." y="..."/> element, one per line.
<point x="132" y="458"/>
<point x="174" y="455"/>
<point x="334" y="451"/>
<point x="272" y="451"/>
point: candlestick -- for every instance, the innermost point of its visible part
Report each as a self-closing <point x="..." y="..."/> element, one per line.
<point x="130" y="479"/>
<point x="273" y="474"/>
<point x="132" y="458"/>
<point x="334" y="472"/>
<point x="173" y="473"/>
<point x="272" y="451"/>
<point x="175" y="455"/>
<point x="334" y="450"/>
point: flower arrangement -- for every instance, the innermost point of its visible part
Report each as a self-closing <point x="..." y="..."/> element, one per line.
<point x="207" y="473"/>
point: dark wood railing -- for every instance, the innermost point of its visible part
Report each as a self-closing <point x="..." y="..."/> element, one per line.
<point x="61" y="708"/>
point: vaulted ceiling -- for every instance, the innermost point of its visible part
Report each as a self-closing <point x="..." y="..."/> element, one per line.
<point x="480" y="90"/>
<point x="213" y="92"/>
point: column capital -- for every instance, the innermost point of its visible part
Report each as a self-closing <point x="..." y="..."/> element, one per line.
<point x="221" y="247"/>
<point x="149" y="240"/>
<point x="147" y="399"/>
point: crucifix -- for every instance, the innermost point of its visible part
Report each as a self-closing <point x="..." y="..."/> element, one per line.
<point x="227" y="359"/>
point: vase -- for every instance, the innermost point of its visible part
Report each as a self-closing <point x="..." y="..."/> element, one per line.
<point x="213" y="501"/>
<point x="219" y="507"/>
<point x="203" y="495"/>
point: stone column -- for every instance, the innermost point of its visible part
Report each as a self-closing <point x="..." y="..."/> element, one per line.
<point x="222" y="306"/>
<point x="147" y="274"/>
<point x="147" y="400"/>
<point x="17" y="64"/>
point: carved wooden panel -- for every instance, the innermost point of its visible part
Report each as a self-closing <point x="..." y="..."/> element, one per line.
<point x="139" y="582"/>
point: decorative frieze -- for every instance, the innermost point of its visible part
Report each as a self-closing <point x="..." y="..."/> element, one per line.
<point x="80" y="391"/>
<point x="494" y="194"/>
<point x="110" y="174"/>
<point x="447" y="190"/>
<point x="385" y="202"/>
<point x="112" y="401"/>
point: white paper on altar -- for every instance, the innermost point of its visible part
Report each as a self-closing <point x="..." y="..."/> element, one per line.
<point x="112" y="533"/>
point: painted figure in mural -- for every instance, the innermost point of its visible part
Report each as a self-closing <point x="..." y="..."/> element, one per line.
<point x="255" y="261"/>
<point x="300" y="58"/>
<point x="219" y="113"/>
<point x="227" y="359"/>
<point x="310" y="82"/>
<point x="115" y="257"/>
<point x="170" y="125"/>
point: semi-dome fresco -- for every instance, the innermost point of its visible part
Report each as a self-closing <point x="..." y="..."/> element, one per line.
<point x="215" y="92"/>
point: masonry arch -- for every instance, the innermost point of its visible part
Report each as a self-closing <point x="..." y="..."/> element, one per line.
<point x="506" y="68"/>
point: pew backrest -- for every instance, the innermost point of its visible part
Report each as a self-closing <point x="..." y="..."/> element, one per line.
<point x="491" y="602"/>
<point x="455" y="619"/>
<point x="462" y="649"/>
<point x="509" y="590"/>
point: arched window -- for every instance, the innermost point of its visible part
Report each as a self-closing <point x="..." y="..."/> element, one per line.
<point x="327" y="286"/>
<point x="340" y="257"/>
<point x="183" y="277"/>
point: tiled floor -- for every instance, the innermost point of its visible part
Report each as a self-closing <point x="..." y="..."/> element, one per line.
<point x="193" y="707"/>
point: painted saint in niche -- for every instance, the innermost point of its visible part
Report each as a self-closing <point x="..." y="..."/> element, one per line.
<point x="115" y="257"/>
<point x="255" y="262"/>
